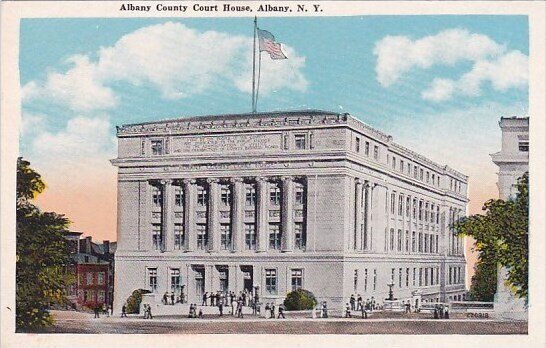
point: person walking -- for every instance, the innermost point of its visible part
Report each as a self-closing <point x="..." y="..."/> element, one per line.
<point x="221" y="307"/>
<point x="446" y="313"/>
<point x="436" y="312"/>
<point x="348" y="310"/>
<point x="124" y="311"/>
<point x="240" y="309"/>
<point x="281" y="311"/>
<point x="172" y="298"/>
<point x="352" y="302"/>
<point x="359" y="303"/>
<point x="204" y="303"/>
<point x="364" y="313"/>
<point x="96" y="310"/>
<point x="272" y="311"/>
<point x="324" y="310"/>
<point x="267" y="312"/>
<point x="190" y="312"/>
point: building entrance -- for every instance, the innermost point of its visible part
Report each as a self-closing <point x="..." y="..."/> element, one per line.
<point x="248" y="278"/>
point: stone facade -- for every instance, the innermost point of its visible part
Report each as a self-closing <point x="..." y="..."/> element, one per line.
<point x="513" y="162"/>
<point x="275" y="201"/>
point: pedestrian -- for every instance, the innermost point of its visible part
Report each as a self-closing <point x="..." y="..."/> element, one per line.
<point x="111" y="310"/>
<point x="190" y="311"/>
<point x="324" y="310"/>
<point x="204" y="303"/>
<point x="221" y="307"/>
<point x="267" y="308"/>
<point x="150" y="312"/>
<point x="348" y="310"/>
<point x="441" y="312"/>
<point x="446" y="313"/>
<point x="233" y="305"/>
<point x="314" y="312"/>
<point x="96" y="310"/>
<point x="359" y="303"/>
<point x="200" y="313"/>
<point x="408" y="307"/>
<point x="165" y="298"/>
<point x="272" y="311"/>
<point x="281" y="311"/>
<point x="105" y="310"/>
<point x="172" y="298"/>
<point x="364" y="313"/>
<point x="436" y="312"/>
<point x="124" y="311"/>
<point x="352" y="302"/>
<point x="240" y="308"/>
<point x="373" y="303"/>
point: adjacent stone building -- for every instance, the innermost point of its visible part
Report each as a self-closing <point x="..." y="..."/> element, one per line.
<point x="513" y="162"/>
<point x="276" y="201"/>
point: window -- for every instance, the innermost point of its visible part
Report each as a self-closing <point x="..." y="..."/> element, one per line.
<point x="300" y="141"/>
<point x="100" y="278"/>
<point x="400" y="277"/>
<point x="408" y="206"/>
<point x="400" y="205"/>
<point x="426" y="276"/>
<point x="399" y="240"/>
<point x="523" y="145"/>
<point x="365" y="280"/>
<point x="420" y="242"/>
<point x="250" y="237"/>
<point x="297" y="279"/>
<point x="275" y="193"/>
<point x="374" y="278"/>
<point x="392" y="275"/>
<point x="415" y="169"/>
<point x="299" y="194"/>
<point x="402" y="166"/>
<point x="225" y="236"/>
<point x="250" y="194"/>
<point x="393" y="162"/>
<point x="392" y="239"/>
<point x="100" y="296"/>
<point x="433" y="178"/>
<point x="409" y="168"/>
<point x="420" y="210"/>
<point x="414" y="276"/>
<point x="367" y="148"/>
<point x="428" y="177"/>
<point x="156" y="236"/>
<point x="357" y="144"/>
<point x="157" y="147"/>
<point x="420" y="277"/>
<point x="413" y="241"/>
<point x="178" y="196"/>
<point x="202" y="238"/>
<point x="89" y="278"/>
<point x="376" y="152"/>
<point x="432" y="276"/>
<point x="225" y="194"/>
<point x="355" y="281"/>
<point x="407" y="241"/>
<point x="426" y="212"/>
<point x="175" y="280"/>
<point x="437" y="214"/>
<point x="223" y="278"/>
<point x="407" y="277"/>
<point x="152" y="279"/>
<point x="421" y="174"/>
<point x="274" y="236"/>
<point x="414" y="214"/>
<point x="431" y="243"/>
<point x="426" y="243"/>
<point x="300" y="236"/>
<point x="271" y="281"/>
<point x="201" y="196"/>
<point x="436" y="244"/>
<point x="178" y="236"/>
<point x="393" y="202"/>
<point x="432" y="213"/>
<point x="157" y="197"/>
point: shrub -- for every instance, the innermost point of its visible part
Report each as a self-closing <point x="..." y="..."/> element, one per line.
<point x="133" y="301"/>
<point x="299" y="300"/>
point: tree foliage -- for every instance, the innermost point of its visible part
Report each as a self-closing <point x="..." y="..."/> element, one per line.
<point x="42" y="254"/>
<point x="134" y="301"/>
<point x="502" y="236"/>
<point x="484" y="281"/>
<point x="300" y="299"/>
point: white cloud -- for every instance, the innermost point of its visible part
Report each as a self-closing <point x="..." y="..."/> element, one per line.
<point x="177" y="60"/>
<point x="398" y="55"/>
<point x="31" y="123"/>
<point x="508" y="71"/>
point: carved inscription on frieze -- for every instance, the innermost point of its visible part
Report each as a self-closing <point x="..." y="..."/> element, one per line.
<point x="227" y="143"/>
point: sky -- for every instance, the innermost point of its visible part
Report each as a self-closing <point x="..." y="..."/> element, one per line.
<point x="438" y="84"/>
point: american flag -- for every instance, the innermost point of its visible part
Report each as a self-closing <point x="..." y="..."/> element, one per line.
<point x="269" y="45"/>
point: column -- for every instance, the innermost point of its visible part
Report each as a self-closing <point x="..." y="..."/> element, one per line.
<point x="232" y="279"/>
<point x="213" y="219"/>
<point x="261" y="213"/>
<point x="144" y="198"/>
<point x="358" y="216"/>
<point x="369" y="192"/>
<point x="189" y="215"/>
<point x="237" y="214"/>
<point x="287" y="215"/>
<point x="167" y="225"/>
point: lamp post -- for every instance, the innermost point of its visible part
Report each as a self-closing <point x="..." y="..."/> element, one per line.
<point x="391" y="294"/>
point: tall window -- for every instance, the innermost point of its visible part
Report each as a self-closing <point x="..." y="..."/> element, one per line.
<point x="432" y="213"/>
<point x="400" y="205"/>
<point x="421" y="174"/>
<point x="299" y="194"/>
<point x="156" y="236"/>
<point x="407" y="241"/>
<point x="100" y="296"/>
<point x="400" y="277"/>
<point x="367" y="148"/>
<point x="392" y="239"/>
<point x="271" y="281"/>
<point x="89" y="278"/>
<point x="426" y="243"/>
<point x="428" y="177"/>
<point x="436" y="244"/>
<point x="274" y="236"/>
<point x="420" y="277"/>
<point x="433" y="178"/>
<point x="420" y="210"/>
<point x="225" y="236"/>
<point x="300" y="236"/>
<point x="392" y="275"/>
<point x="175" y="280"/>
<point x="178" y="196"/>
<point x="357" y="144"/>
<point x="250" y="194"/>
<point x="100" y="278"/>
<point x="393" y="202"/>
<point x="393" y="162"/>
<point x="297" y="279"/>
<point x="413" y="241"/>
<point x="407" y="277"/>
<point x="250" y="237"/>
<point x="300" y="141"/>
<point x="201" y="196"/>
<point x="376" y="152"/>
<point x="157" y="198"/>
<point x="414" y="276"/>
<point x="401" y="165"/>
<point x="408" y="206"/>
<point x="399" y="240"/>
<point x="178" y="236"/>
<point x="414" y="213"/>
<point x="415" y="169"/>
<point x="152" y="279"/>
<point x="420" y="242"/>
<point x="202" y="238"/>
<point x="355" y="280"/>
<point x="437" y="214"/>
<point x="225" y="194"/>
<point x="409" y="168"/>
<point x="426" y="212"/>
<point x="374" y="278"/>
<point x="157" y="147"/>
<point x="365" y="280"/>
<point x="275" y="193"/>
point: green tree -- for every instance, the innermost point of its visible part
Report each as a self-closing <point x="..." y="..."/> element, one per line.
<point x="42" y="254"/>
<point x="484" y="281"/>
<point x="502" y="236"/>
<point x="134" y="301"/>
<point x="300" y="299"/>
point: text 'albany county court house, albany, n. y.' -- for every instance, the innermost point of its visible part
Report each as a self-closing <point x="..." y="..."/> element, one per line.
<point x="276" y="201"/>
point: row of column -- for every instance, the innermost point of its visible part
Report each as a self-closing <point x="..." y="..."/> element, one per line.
<point x="236" y="217"/>
<point x="363" y="213"/>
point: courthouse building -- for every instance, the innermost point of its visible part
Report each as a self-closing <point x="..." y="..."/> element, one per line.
<point x="276" y="201"/>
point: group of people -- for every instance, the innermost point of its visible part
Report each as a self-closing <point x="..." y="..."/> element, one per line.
<point x="104" y="309"/>
<point x="357" y="304"/>
<point x="225" y="297"/>
<point x="322" y="308"/>
<point x="171" y="298"/>
<point x="441" y="311"/>
<point x="193" y="311"/>
<point x="147" y="311"/>
<point x="270" y="311"/>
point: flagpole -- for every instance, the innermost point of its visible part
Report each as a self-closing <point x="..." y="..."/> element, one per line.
<point x="254" y="67"/>
<point x="258" y="83"/>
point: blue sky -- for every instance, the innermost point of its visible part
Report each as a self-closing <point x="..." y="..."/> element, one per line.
<point x="438" y="84"/>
